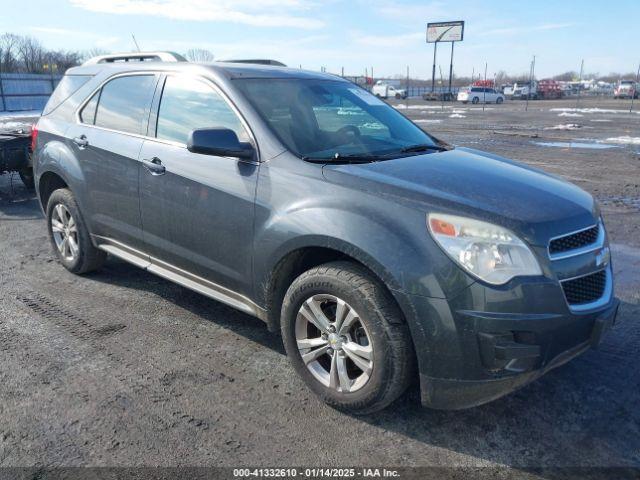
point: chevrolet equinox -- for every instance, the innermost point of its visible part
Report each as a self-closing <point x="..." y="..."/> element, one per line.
<point x="382" y="254"/>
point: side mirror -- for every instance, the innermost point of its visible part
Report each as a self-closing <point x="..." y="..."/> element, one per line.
<point x="221" y="142"/>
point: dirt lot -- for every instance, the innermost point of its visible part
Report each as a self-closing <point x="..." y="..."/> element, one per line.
<point x="124" y="368"/>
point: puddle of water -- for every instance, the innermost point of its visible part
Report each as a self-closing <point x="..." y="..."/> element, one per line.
<point x="593" y="146"/>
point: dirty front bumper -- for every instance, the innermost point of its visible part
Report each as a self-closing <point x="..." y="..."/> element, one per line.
<point x="468" y="357"/>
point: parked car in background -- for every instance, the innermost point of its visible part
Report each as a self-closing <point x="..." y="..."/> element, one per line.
<point x="626" y="89"/>
<point x="480" y="95"/>
<point x="383" y="255"/>
<point x="384" y="89"/>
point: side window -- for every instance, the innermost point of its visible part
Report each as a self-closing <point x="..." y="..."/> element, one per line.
<point x="188" y="104"/>
<point x="124" y="104"/>
<point x="88" y="113"/>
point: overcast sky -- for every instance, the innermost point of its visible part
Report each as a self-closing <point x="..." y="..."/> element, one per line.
<point x="354" y="34"/>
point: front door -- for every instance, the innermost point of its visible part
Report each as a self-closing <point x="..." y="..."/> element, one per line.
<point x="197" y="210"/>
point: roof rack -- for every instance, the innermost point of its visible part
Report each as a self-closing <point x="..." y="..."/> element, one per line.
<point x="257" y="61"/>
<point x="137" y="57"/>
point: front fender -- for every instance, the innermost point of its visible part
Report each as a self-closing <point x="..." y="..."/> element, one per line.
<point x="404" y="258"/>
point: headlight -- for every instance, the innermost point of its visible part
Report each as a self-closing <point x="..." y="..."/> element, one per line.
<point x="489" y="252"/>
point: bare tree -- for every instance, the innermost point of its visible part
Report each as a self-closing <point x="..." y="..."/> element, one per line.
<point x="94" y="52"/>
<point x="199" y="55"/>
<point x="9" y="52"/>
<point x="31" y="55"/>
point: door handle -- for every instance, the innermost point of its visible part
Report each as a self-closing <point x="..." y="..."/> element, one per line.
<point x="81" y="141"/>
<point x="154" y="165"/>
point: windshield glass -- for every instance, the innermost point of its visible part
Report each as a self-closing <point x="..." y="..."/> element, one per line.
<point x="324" y="119"/>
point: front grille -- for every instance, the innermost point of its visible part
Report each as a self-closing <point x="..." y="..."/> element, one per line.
<point x="575" y="240"/>
<point x="585" y="289"/>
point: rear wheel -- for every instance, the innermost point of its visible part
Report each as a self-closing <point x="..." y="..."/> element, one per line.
<point x="475" y="100"/>
<point x="346" y="339"/>
<point x="499" y="100"/>
<point x="69" y="235"/>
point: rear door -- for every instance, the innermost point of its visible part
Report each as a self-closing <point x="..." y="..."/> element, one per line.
<point x="107" y="141"/>
<point x="197" y="210"/>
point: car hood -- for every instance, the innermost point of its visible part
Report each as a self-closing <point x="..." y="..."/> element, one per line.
<point x="472" y="183"/>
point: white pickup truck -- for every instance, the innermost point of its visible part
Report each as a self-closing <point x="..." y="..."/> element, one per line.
<point x="384" y="89"/>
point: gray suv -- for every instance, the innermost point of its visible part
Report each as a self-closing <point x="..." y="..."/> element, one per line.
<point x="384" y="255"/>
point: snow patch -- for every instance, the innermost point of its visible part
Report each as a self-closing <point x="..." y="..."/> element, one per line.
<point x="421" y="107"/>
<point x="457" y="115"/>
<point x="566" y="126"/>
<point x="589" y="110"/>
<point x="425" y="120"/>
<point x="567" y="114"/>
<point x="624" y="140"/>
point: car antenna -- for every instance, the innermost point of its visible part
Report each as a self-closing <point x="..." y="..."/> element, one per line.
<point x="135" y="42"/>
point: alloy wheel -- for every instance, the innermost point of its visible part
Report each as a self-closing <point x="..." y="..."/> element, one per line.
<point x="65" y="232"/>
<point x="334" y="344"/>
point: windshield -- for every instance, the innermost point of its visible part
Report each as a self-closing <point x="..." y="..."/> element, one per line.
<point x="324" y="119"/>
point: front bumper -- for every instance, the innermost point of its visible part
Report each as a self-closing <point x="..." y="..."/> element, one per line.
<point x="469" y="357"/>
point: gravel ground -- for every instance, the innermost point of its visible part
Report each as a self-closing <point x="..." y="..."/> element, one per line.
<point x="122" y="368"/>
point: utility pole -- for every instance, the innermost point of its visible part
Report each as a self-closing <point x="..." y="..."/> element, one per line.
<point x="637" y="84"/>
<point x="433" y="71"/>
<point x="407" y="102"/>
<point x="451" y="68"/>
<point x="484" y="89"/>
<point x="531" y="75"/>
<point x="580" y="84"/>
<point x="441" y="88"/>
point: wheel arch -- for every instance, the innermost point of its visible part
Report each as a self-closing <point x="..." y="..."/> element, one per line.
<point x="48" y="182"/>
<point x="295" y="261"/>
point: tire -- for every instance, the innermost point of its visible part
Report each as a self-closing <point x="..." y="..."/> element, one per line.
<point x="475" y="100"/>
<point x="398" y="96"/>
<point x="376" y="323"/>
<point x="61" y="208"/>
<point x="465" y="102"/>
<point x="499" y="100"/>
<point x="26" y="176"/>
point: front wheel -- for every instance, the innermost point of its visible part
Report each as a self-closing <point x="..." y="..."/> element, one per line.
<point x="499" y="100"/>
<point x="69" y="235"/>
<point x="475" y="100"/>
<point x="346" y="338"/>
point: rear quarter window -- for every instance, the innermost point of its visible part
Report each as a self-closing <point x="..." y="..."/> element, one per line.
<point x="69" y="85"/>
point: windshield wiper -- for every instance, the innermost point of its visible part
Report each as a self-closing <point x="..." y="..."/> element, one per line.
<point x="338" y="158"/>
<point x="424" y="147"/>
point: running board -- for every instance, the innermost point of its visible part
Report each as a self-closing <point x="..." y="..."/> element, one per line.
<point x="179" y="276"/>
